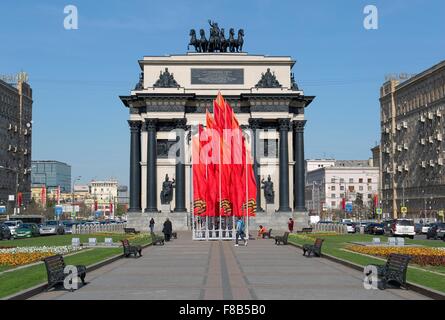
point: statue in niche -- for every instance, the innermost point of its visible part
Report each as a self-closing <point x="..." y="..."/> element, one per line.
<point x="269" y="193"/>
<point x="268" y="80"/>
<point x="167" y="190"/>
<point x="166" y="80"/>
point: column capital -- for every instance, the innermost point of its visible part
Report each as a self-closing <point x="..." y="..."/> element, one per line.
<point x="284" y="124"/>
<point x="298" y="125"/>
<point x="135" y="125"/>
<point x="254" y="123"/>
<point x="150" y="124"/>
<point x="181" y="123"/>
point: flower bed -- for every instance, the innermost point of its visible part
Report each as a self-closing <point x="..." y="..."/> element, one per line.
<point x="419" y="255"/>
<point x="25" y="255"/>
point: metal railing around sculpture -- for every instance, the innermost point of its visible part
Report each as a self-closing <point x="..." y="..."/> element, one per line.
<point x="93" y="228"/>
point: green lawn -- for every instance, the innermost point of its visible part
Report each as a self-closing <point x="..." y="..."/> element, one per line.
<point x="27" y="277"/>
<point x="333" y="245"/>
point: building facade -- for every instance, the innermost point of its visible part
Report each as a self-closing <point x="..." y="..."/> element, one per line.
<point x="15" y="138"/>
<point x="327" y="186"/>
<point x="172" y="97"/>
<point x="52" y="174"/>
<point x="105" y="196"/>
<point x="412" y="143"/>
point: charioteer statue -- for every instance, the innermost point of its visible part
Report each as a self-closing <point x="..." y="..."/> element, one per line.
<point x="217" y="41"/>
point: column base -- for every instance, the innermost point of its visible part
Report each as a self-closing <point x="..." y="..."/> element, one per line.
<point x="132" y="210"/>
<point x="288" y="209"/>
<point x="151" y="210"/>
<point x="141" y="221"/>
<point x="301" y="220"/>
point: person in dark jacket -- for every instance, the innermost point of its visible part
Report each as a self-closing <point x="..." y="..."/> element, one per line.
<point x="152" y="225"/>
<point x="167" y="230"/>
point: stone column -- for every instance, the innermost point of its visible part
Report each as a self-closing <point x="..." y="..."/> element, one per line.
<point x="180" y="166"/>
<point x="255" y="125"/>
<point x="135" y="166"/>
<point x="299" y="178"/>
<point x="150" y="125"/>
<point x="283" y="126"/>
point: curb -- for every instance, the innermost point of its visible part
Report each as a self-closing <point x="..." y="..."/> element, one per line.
<point x="430" y="293"/>
<point x="30" y="292"/>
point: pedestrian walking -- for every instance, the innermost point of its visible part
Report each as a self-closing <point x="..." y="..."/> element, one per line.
<point x="240" y="232"/>
<point x="152" y="225"/>
<point x="167" y="230"/>
<point x="290" y="225"/>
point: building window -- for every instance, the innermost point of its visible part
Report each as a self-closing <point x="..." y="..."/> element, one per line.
<point x="342" y="195"/>
<point x="342" y="188"/>
<point x="351" y="189"/>
<point x="360" y="180"/>
<point x="270" y="147"/>
<point x="351" y="180"/>
<point x="163" y="146"/>
<point x="360" y="188"/>
<point x="333" y="195"/>
<point x="369" y="180"/>
<point x="342" y="180"/>
<point x="333" y="188"/>
<point x="333" y="203"/>
<point x="369" y="188"/>
<point x="369" y="196"/>
<point x="332" y="180"/>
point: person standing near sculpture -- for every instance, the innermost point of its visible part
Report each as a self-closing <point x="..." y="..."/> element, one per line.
<point x="290" y="225"/>
<point x="167" y="230"/>
<point x="152" y="225"/>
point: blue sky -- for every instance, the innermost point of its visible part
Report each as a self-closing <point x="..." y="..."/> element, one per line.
<point x="78" y="75"/>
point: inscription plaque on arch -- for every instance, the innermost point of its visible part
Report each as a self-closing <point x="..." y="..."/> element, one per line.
<point x="217" y="76"/>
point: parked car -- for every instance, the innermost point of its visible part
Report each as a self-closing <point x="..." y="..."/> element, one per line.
<point x="436" y="231"/>
<point x="5" y="233"/>
<point x="13" y="225"/>
<point x="52" y="227"/>
<point x="425" y="228"/>
<point x="360" y="224"/>
<point x="350" y="227"/>
<point x="67" y="226"/>
<point x="400" y="227"/>
<point x="27" y="230"/>
<point x="375" y="228"/>
<point x="418" y="228"/>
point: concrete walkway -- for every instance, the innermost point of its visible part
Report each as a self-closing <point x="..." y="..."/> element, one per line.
<point x="186" y="269"/>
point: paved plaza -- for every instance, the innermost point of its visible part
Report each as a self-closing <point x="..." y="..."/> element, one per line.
<point x="185" y="269"/>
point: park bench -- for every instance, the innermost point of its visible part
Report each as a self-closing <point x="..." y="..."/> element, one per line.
<point x="393" y="271"/>
<point x="131" y="230"/>
<point x="282" y="239"/>
<point x="313" y="248"/>
<point x="131" y="249"/>
<point x="155" y="239"/>
<point x="55" y="269"/>
<point x="268" y="234"/>
<point x="306" y="230"/>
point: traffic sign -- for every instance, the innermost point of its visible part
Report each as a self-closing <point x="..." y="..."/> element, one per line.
<point x="2" y="209"/>
<point x="348" y="207"/>
<point x="58" y="210"/>
<point x="379" y="211"/>
<point x="404" y="210"/>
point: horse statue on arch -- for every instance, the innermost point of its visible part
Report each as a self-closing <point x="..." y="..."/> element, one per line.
<point x="203" y="43"/>
<point x="193" y="40"/>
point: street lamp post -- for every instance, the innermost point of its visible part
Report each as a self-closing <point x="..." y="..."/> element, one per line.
<point x="73" y="212"/>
